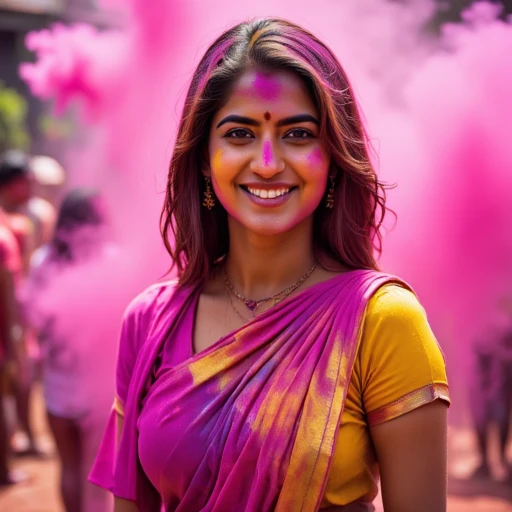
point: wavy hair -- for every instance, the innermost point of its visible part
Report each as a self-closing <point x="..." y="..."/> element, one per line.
<point x="350" y="232"/>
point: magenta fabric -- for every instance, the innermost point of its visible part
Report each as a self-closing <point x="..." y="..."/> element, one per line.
<point x="248" y="424"/>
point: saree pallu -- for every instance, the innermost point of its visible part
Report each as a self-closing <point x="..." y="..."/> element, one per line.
<point x="250" y="423"/>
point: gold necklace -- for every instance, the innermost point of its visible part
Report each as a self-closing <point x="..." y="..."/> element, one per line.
<point x="252" y="304"/>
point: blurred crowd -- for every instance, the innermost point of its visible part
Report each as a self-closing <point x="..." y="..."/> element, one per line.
<point x="43" y="234"/>
<point x="490" y="392"/>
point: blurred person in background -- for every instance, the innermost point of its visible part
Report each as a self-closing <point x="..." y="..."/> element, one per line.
<point x="65" y="306"/>
<point x="16" y="188"/>
<point x="49" y="178"/>
<point x="491" y="389"/>
<point x="10" y="271"/>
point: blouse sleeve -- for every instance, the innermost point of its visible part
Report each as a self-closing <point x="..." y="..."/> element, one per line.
<point x="402" y="366"/>
<point x="104" y="471"/>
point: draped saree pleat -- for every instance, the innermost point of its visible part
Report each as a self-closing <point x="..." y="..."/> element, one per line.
<point x="254" y="418"/>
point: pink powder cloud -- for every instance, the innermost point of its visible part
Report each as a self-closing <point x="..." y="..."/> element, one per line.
<point x="75" y="62"/>
<point x="437" y="111"/>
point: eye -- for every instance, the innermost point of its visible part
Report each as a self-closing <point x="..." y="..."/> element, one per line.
<point x="239" y="133"/>
<point x="299" y="134"/>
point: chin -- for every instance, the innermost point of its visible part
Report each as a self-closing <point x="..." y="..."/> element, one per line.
<point x="272" y="227"/>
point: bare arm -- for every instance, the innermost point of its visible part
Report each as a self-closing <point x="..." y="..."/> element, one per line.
<point x="411" y="451"/>
<point x="121" y="505"/>
<point x="8" y="312"/>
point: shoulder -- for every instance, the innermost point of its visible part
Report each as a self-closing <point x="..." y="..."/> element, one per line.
<point x="151" y="300"/>
<point x="139" y="318"/>
<point x="395" y="323"/>
<point x="394" y="302"/>
<point x="396" y="320"/>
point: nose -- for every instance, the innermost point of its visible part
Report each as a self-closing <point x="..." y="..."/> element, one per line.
<point x="267" y="163"/>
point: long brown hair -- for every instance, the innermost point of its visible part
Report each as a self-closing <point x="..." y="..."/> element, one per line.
<point x="349" y="233"/>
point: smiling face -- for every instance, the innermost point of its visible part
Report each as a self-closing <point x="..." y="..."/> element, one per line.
<point x="268" y="165"/>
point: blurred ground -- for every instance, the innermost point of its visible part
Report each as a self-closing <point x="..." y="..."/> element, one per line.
<point x="40" y="493"/>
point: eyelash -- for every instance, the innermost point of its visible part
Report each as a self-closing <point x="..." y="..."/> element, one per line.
<point x="228" y="134"/>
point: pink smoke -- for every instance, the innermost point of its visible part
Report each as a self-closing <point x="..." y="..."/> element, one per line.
<point x="453" y="240"/>
<point x="437" y="110"/>
<point x="76" y="62"/>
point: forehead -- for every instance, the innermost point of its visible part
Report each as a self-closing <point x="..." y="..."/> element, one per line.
<point x="278" y="91"/>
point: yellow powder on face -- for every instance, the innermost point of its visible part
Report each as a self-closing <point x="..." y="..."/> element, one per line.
<point x="217" y="159"/>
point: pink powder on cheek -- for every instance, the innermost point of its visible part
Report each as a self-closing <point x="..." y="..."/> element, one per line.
<point x="266" y="87"/>
<point x="315" y="158"/>
<point x="267" y="152"/>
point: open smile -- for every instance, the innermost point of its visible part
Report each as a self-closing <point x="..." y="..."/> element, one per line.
<point x="268" y="196"/>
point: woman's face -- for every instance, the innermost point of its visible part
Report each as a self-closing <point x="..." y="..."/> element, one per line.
<point x="268" y="166"/>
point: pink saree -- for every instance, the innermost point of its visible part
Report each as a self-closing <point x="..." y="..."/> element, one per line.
<point x="248" y="424"/>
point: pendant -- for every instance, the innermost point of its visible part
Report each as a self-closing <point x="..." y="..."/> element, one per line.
<point x="251" y="305"/>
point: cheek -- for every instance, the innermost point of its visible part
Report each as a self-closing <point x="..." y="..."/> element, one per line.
<point x="224" y="167"/>
<point x="216" y="162"/>
<point x="315" y="175"/>
<point x="313" y="196"/>
<point x="220" y="168"/>
<point x="315" y="160"/>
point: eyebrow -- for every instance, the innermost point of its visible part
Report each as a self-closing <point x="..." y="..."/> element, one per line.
<point x="300" y="118"/>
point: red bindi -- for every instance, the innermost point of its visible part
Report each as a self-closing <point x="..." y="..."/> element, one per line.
<point x="267" y="116"/>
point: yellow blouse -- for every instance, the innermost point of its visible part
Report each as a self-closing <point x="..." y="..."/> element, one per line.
<point x="399" y="367"/>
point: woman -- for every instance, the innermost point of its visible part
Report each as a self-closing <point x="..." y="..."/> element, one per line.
<point x="61" y="301"/>
<point x="281" y="370"/>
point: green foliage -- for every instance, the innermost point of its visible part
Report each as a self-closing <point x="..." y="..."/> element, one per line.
<point x="56" y="128"/>
<point x="13" y="115"/>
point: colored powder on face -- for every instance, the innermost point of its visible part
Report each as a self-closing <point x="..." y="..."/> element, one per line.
<point x="267" y="87"/>
<point x="315" y="158"/>
<point x="216" y="160"/>
<point x="267" y="152"/>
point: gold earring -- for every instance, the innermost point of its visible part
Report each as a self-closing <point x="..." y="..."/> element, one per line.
<point x="209" y="199"/>
<point x="329" y="202"/>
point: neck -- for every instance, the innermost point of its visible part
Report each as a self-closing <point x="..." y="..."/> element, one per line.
<point x="261" y="266"/>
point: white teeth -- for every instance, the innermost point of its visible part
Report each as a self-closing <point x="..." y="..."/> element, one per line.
<point x="270" y="194"/>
